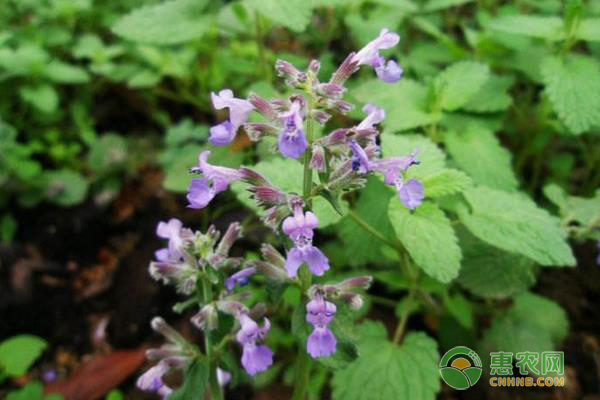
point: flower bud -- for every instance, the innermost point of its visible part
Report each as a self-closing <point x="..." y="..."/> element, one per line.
<point x="331" y="90"/>
<point x="257" y="131"/>
<point x="263" y="106"/>
<point x="317" y="161"/>
<point x="234" y="232"/>
<point x="314" y="66"/>
<point x="267" y="196"/>
<point x="161" y="326"/>
<point x="269" y="270"/>
<point x="347" y="68"/>
<point x="207" y="319"/>
<point x="321" y="116"/>
<point x="271" y="254"/>
<point x="293" y="76"/>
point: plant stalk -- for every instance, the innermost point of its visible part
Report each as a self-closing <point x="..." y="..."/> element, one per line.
<point x="215" y="388"/>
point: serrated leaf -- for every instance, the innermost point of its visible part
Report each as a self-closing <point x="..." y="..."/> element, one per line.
<point x="170" y="22"/>
<point x="293" y="14"/>
<point x="573" y="86"/>
<point x="493" y="95"/>
<point x="435" y="5"/>
<point x="427" y="235"/>
<point x="195" y="383"/>
<point x="446" y="182"/>
<point x="360" y="246"/>
<point x="18" y="353"/>
<point x="543" y="27"/>
<point x="287" y="176"/>
<point x="478" y="152"/>
<point x="589" y="29"/>
<point x="514" y="223"/>
<point x="387" y="371"/>
<point x="533" y="323"/>
<point x="404" y="103"/>
<point x="458" y="83"/>
<point x="489" y="272"/>
<point x="584" y="211"/>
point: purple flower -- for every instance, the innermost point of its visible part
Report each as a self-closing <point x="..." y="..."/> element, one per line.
<point x="306" y="253"/>
<point x="300" y="224"/>
<point x="319" y="313"/>
<point x="299" y="228"/>
<point x="255" y="358"/>
<point x="151" y="380"/>
<point x="598" y="257"/>
<point x="171" y="230"/>
<point x="292" y="142"/>
<point x="410" y="193"/>
<point x="224" y="133"/>
<point x="223" y="377"/>
<point x="388" y="72"/>
<point x="374" y="116"/>
<point x="216" y="180"/>
<point x="360" y="160"/>
<point x="239" y="278"/>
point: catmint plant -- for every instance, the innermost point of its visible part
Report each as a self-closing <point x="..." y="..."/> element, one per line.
<point x="199" y="265"/>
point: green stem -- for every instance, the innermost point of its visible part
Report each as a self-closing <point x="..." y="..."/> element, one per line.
<point x="308" y="154"/>
<point x="302" y="375"/>
<point x="401" y="327"/>
<point x="365" y="225"/>
<point x="215" y="388"/>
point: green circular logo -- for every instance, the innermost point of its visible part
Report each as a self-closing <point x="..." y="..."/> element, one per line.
<point x="460" y="368"/>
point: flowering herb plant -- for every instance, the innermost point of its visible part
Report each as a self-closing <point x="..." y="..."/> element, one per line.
<point x="422" y="200"/>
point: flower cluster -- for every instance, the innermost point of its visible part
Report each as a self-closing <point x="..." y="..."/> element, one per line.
<point x="199" y="264"/>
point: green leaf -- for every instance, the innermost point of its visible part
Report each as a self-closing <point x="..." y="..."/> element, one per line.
<point x="489" y="272"/>
<point x="360" y="246"/>
<point x="427" y="235"/>
<point x="195" y="383"/>
<point x="589" y="29"/>
<point x="170" y="22"/>
<point x="584" y="211"/>
<point x="543" y="27"/>
<point x="62" y="72"/>
<point x="533" y="323"/>
<point x="32" y="391"/>
<point x="493" y="96"/>
<point x="478" y="152"/>
<point x="18" y="353"/>
<point x="446" y="182"/>
<point x="65" y="187"/>
<point x="387" y="371"/>
<point x="287" y="176"/>
<point x="458" y="83"/>
<point x="43" y="97"/>
<point x="185" y="131"/>
<point x="461" y="309"/>
<point x="405" y="103"/>
<point x="435" y="5"/>
<point x="573" y="86"/>
<point x="107" y="153"/>
<point x="514" y="223"/>
<point x="293" y="14"/>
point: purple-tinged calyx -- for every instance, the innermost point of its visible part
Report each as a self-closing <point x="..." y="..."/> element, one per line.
<point x="240" y="278"/>
<point x="319" y="313"/>
<point x="207" y="318"/>
<point x="263" y="106"/>
<point x="215" y="180"/>
<point x="255" y="358"/>
<point x="292" y="142"/>
<point x="292" y="75"/>
<point x="224" y="133"/>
